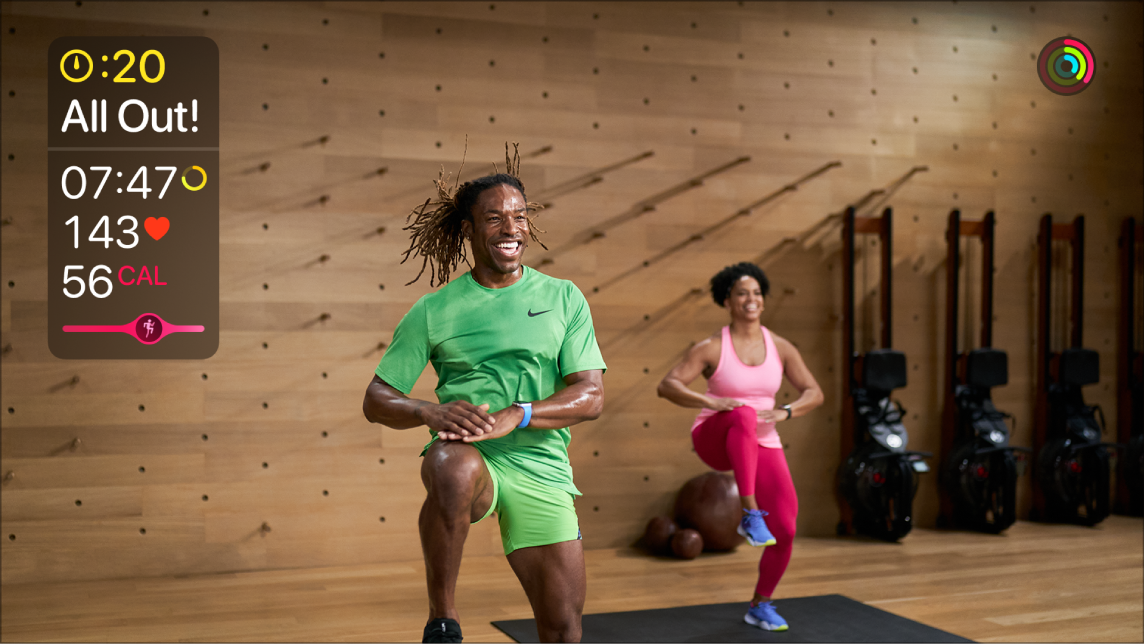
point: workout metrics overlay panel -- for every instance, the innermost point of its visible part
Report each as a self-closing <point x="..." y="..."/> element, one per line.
<point x="133" y="197"/>
<point x="822" y="618"/>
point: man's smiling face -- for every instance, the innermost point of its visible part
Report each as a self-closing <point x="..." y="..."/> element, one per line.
<point x="499" y="229"/>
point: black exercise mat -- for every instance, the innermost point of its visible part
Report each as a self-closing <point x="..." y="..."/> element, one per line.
<point x="824" y="618"/>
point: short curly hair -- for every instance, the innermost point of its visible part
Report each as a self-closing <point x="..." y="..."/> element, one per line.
<point x="722" y="282"/>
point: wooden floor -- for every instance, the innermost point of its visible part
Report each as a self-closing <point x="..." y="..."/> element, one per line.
<point x="1038" y="582"/>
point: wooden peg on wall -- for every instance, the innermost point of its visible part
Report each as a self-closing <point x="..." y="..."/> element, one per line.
<point x="379" y="347"/>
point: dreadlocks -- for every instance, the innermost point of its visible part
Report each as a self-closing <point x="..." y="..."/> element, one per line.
<point x="435" y="232"/>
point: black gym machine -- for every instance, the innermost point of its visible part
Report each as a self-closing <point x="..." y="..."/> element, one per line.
<point x="979" y="471"/>
<point x="1130" y="374"/>
<point x="1072" y="469"/>
<point x="877" y="479"/>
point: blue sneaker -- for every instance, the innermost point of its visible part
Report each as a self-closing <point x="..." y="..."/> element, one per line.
<point x="755" y="529"/>
<point x="764" y="616"/>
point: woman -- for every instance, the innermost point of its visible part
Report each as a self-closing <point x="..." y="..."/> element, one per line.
<point x="744" y="364"/>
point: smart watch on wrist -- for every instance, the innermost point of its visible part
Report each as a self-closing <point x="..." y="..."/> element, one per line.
<point x="527" y="407"/>
<point x="788" y="411"/>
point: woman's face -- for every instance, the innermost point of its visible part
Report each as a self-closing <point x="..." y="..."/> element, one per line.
<point x="746" y="299"/>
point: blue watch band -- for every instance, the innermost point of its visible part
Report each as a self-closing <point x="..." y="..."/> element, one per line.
<point x="527" y="407"/>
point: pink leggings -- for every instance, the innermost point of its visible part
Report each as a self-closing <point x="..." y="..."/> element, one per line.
<point x="727" y="441"/>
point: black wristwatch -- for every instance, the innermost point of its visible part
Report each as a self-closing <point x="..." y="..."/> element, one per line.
<point x="788" y="411"/>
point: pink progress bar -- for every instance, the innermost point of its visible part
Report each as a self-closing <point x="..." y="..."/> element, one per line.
<point x="147" y="328"/>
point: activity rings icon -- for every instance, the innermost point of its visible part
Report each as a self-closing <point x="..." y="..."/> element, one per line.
<point x="1066" y="66"/>
<point x="198" y="187"/>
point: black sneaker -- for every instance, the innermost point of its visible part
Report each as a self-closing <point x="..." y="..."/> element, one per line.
<point x="442" y="629"/>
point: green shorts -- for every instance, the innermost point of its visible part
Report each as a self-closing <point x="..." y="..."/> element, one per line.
<point x="530" y="513"/>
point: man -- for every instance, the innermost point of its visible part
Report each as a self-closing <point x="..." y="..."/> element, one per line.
<point x="517" y="364"/>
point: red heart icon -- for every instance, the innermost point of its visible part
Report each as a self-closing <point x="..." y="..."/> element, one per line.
<point x="156" y="228"/>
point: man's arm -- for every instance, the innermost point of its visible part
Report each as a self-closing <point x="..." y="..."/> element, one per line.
<point x="388" y="406"/>
<point x="582" y="399"/>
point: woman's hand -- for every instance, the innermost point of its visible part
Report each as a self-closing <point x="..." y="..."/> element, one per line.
<point x="773" y="415"/>
<point x="723" y="404"/>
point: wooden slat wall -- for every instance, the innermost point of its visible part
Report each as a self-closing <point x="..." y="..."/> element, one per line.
<point x="269" y="430"/>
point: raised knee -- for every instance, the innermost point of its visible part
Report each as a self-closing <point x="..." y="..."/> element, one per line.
<point x="451" y="470"/>
<point x="745" y="416"/>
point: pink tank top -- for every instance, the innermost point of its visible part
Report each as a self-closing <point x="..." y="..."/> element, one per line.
<point x="755" y="386"/>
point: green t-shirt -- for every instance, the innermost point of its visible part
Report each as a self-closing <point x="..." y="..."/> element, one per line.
<point x="499" y="346"/>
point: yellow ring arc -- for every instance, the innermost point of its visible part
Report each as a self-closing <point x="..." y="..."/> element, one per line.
<point x="1081" y="66"/>
<point x="90" y="65"/>
<point x="198" y="187"/>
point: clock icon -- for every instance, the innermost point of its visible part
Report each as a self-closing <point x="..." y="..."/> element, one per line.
<point x="74" y="55"/>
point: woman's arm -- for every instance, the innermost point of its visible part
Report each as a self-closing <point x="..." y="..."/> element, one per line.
<point x="799" y="375"/>
<point x="674" y="385"/>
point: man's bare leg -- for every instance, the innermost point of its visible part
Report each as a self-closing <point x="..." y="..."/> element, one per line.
<point x="460" y="491"/>
<point x="554" y="579"/>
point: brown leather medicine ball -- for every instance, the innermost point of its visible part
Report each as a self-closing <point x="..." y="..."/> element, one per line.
<point x="657" y="536"/>
<point x="710" y="504"/>
<point x="687" y="544"/>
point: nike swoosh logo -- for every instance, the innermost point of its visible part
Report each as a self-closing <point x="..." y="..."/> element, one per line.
<point x="532" y="315"/>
